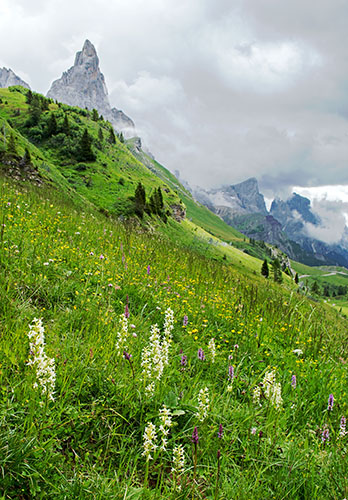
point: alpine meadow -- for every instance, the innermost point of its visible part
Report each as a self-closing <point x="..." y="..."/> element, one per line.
<point x="143" y="354"/>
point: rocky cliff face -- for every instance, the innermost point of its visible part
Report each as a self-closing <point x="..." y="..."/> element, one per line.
<point x="83" y="85"/>
<point x="9" y="78"/>
<point x="293" y="214"/>
<point x="242" y="198"/>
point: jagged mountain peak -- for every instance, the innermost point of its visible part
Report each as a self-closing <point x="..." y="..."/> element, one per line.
<point x="289" y="211"/>
<point x="250" y="183"/>
<point x="87" y="56"/>
<point x="243" y="197"/>
<point x="83" y="85"/>
<point x="9" y="78"/>
<point x="234" y="199"/>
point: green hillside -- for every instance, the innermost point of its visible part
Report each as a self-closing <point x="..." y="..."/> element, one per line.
<point x="331" y="277"/>
<point x="145" y="358"/>
<point x="110" y="178"/>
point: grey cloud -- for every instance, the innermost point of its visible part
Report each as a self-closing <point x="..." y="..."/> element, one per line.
<point x="332" y="221"/>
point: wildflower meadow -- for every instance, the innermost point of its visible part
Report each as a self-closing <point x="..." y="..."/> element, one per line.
<point x="134" y="368"/>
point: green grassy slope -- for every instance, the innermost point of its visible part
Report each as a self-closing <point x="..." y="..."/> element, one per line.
<point x="110" y="181"/>
<point x="78" y="270"/>
<point x="331" y="280"/>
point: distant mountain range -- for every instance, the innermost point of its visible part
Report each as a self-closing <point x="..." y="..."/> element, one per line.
<point x="284" y="225"/>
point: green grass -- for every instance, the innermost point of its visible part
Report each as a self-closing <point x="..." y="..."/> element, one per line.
<point x="88" y="442"/>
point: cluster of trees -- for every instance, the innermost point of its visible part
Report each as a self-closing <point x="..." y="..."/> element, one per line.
<point x="10" y="153"/>
<point x="63" y="135"/>
<point x="276" y="270"/>
<point x="112" y="138"/>
<point x="328" y="290"/>
<point x="37" y="105"/>
<point x="259" y="243"/>
<point x="155" y="205"/>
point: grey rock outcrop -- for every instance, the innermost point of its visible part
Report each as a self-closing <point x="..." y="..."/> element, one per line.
<point x="9" y="78"/>
<point x="178" y="212"/>
<point x="294" y="214"/>
<point x="83" y="85"/>
<point x="242" y="198"/>
<point x="121" y="121"/>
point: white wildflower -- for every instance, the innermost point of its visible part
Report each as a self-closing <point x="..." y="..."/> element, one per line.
<point x="212" y="349"/>
<point x="152" y="361"/>
<point x="276" y="397"/>
<point x="166" y="423"/>
<point x="44" y="366"/>
<point x="343" y="431"/>
<point x="272" y="390"/>
<point x="178" y="460"/>
<point x="203" y="404"/>
<point x="168" y="322"/>
<point x="299" y="352"/>
<point x="150" y="389"/>
<point x="268" y="381"/>
<point x="150" y="438"/>
<point x="122" y="336"/>
<point x="155" y="356"/>
<point x="257" y="395"/>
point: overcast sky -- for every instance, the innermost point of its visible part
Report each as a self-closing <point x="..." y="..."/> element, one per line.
<point x="220" y="90"/>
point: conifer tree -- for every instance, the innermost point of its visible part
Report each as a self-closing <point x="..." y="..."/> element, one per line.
<point x="29" y="96"/>
<point x="85" y="152"/>
<point x="277" y="271"/>
<point x="44" y="103"/>
<point x="35" y="110"/>
<point x="100" y="134"/>
<point x="121" y="137"/>
<point x="11" y="150"/>
<point x="264" y="269"/>
<point x="52" y="125"/>
<point x="66" y="126"/>
<point x="95" y="116"/>
<point x="27" y="158"/>
<point x="112" y="138"/>
<point x="296" y="278"/>
<point x="139" y="200"/>
<point x="160" y="203"/>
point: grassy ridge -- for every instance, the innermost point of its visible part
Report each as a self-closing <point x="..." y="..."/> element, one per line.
<point x="78" y="271"/>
